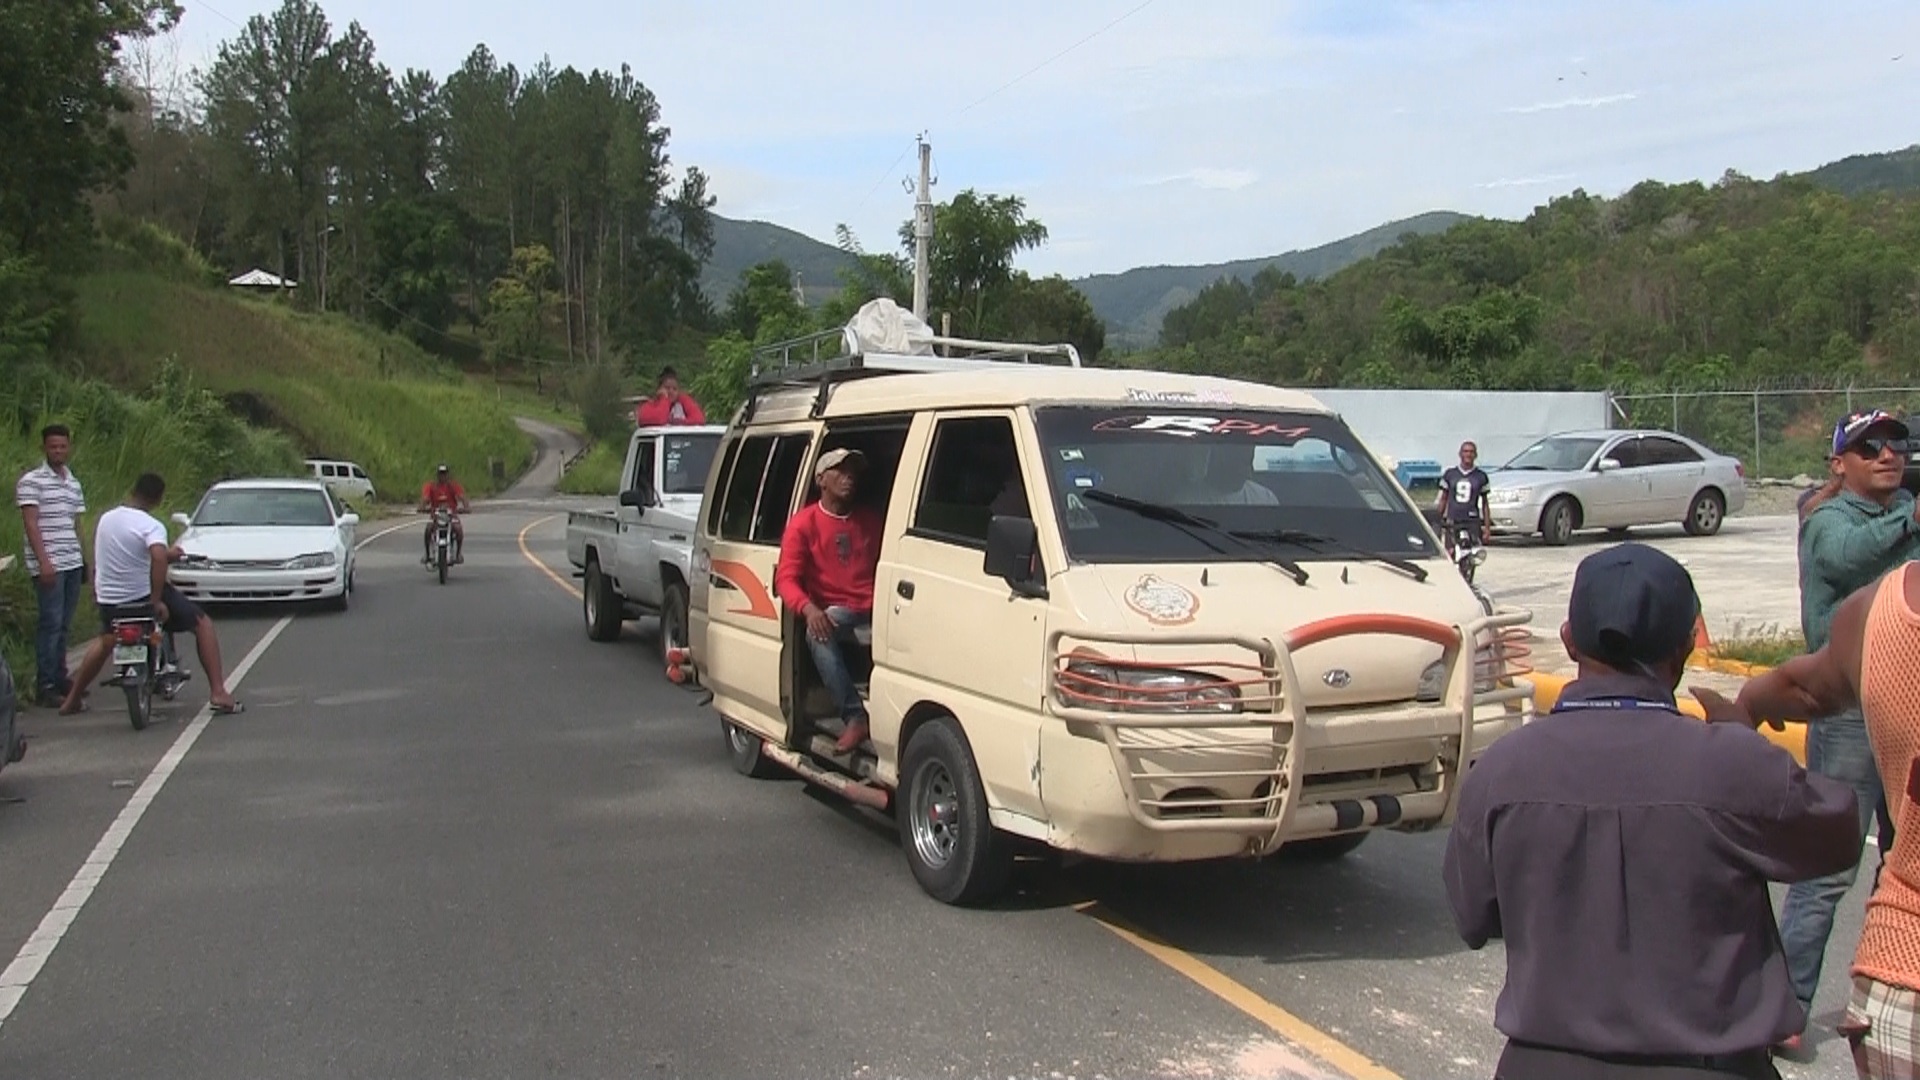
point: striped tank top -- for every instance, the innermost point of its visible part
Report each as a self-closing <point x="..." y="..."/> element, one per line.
<point x="1889" y="949"/>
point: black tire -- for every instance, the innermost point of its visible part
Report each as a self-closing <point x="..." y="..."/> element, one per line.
<point x="440" y="561"/>
<point x="673" y="620"/>
<point x="1706" y="514"/>
<point x="339" y="603"/>
<point x="743" y="749"/>
<point x="140" y="702"/>
<point x="1557" y="520"/>
<point x="1325" y="848"/>
<point x="598" y="606"/>
<point x="962" y="860"/>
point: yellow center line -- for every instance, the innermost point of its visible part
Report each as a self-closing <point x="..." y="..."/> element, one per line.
<point x="527" y="552"/>
<point x="1283" y="1023"/>
<point x="1211" y="979"/>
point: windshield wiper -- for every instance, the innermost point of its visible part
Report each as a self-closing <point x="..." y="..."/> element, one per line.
<point x="1300" y="536"/>
<point x="1187" y="523"/>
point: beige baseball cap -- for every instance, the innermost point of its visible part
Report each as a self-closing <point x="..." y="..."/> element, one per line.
<point x="837" y="457"/>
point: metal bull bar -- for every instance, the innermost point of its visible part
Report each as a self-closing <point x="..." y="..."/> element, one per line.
<point x="1178" y="729"/>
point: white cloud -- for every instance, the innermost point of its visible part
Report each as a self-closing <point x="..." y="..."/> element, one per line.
<point x="1315" y="118"/>
<point x="1572" y="103"/>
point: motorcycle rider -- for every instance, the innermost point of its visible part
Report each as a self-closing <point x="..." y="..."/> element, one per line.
<point x="1463" y="497"/>
<point x="444" y="490"/>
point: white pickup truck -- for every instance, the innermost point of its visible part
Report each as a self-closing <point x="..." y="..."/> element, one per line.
<point x="634" y="558"/>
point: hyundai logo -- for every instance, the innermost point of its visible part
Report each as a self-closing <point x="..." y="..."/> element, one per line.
<point x="1337" y="678"/>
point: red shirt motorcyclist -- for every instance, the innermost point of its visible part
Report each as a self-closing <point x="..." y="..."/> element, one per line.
<point x="444" y="490"/>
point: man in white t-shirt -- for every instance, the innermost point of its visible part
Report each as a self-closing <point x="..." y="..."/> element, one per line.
<point x="131" y="556"/>
<point x="1229" y="479"/>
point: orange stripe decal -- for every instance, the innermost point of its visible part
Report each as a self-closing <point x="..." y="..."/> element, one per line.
<point x="742" y="577"/>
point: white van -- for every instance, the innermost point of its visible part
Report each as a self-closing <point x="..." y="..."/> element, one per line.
<point x="348" y="481"/>
<point x="1217" y="627"/>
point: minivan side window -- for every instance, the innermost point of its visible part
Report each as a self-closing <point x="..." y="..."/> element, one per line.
<point x="727" y="457"/>
<point x="776" y="494"/>
<point x="359" y="473"/>
<point x="743" y="488"/>
<point x="973" y="473"/>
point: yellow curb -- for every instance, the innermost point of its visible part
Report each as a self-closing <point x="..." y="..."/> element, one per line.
<point x="1706" y="661"/>
<point x="1546" y="691"/>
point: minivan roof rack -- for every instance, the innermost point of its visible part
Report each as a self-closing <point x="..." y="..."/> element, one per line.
<point x="829" y="357"/>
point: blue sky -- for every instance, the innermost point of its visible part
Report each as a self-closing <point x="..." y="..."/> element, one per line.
<point x="1190" y="131"/>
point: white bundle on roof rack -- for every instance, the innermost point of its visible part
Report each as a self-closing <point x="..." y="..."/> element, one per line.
<point x="882" y="326"/>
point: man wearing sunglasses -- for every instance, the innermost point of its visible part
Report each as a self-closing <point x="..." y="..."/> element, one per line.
<point x="1860" y="526"/>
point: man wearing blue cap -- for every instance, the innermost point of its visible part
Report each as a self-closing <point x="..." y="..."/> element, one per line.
<point x="1622" y="850"/>
<point x="1848" y="540"/>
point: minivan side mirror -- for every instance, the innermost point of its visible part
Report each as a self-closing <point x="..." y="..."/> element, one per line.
<point x="1013" y="550"/>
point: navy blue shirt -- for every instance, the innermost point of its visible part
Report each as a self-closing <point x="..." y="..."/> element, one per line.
<point x="1463" y="492"/>
<point x="1622" y="851"/>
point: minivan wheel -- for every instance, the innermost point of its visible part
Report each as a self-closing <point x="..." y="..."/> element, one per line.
<point x="1556" y="524"/>
<point x="743" y="749"/>
<point x="955" y="852"/>
<point x="1706" y="514"/>
<point x="597" y="604"/>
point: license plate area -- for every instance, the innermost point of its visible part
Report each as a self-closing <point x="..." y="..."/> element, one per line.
<point x="129" y="654"/>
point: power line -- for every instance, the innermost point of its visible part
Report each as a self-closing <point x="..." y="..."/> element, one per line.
<point x="1049" y="60"/>
<point x="1009" y="84"/>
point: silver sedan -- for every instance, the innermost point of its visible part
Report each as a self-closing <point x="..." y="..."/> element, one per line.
<point x="1613" y="479"/>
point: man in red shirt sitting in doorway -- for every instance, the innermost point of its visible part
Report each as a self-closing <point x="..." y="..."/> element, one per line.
<point x="827" y="560"/>
<point x="668" y="405"/>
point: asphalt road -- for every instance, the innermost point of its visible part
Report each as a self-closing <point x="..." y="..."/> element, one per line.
<point x="451" y="837"/>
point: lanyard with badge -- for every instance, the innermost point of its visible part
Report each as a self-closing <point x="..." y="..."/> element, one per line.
<point x="1618" y="703"/>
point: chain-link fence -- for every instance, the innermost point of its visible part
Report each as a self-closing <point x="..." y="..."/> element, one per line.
<point x="1774" y="432"/>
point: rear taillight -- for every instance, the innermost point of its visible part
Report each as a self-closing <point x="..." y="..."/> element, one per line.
<point x="1740" y="470"/>
<point x="127" y="633"/>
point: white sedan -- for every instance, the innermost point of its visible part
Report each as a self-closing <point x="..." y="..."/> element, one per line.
<point x="267" y="540"/>
<point x="1613" y="479"/>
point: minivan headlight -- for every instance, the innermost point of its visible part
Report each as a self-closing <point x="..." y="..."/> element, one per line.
<point x="1433" y="681"/>
<point x="1116" y="688"/>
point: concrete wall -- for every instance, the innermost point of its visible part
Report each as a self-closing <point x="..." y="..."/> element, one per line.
<point x="1413" y="424"/>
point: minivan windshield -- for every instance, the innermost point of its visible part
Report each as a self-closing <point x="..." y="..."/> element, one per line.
<point x="1248" y="471"/>
<point x="1556" y="453"/>
<point x="686" y="459"/>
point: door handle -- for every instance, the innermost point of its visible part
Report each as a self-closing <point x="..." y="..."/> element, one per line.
<point x="905" y="589"/>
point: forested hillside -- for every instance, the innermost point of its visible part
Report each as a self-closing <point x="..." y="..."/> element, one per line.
<point x="1684" y="285"/>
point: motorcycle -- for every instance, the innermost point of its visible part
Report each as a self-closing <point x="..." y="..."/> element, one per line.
<point x="145" y="664"/>
<point x="1468" y="551"/>
<point x="442" y="540"/>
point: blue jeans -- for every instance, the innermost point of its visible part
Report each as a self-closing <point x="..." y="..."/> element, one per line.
<point x="1837" y="746"/>
<point x="830" y="660"/>
<point x="58" y="602"/>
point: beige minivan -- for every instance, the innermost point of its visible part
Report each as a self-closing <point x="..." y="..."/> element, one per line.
<point x="1127" y="614"/>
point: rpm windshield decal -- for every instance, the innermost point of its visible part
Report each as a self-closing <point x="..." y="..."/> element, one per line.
<point x="1186" y="426"/>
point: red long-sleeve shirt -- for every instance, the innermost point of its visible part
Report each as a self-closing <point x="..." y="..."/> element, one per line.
<point x="657" y="411"/>
<point x="828" y="560"/>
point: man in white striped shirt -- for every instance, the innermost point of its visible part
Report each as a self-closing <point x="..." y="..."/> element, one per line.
<point x="52" y="504"/>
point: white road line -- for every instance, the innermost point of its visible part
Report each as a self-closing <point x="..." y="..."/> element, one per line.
<point x="33" y="955"/>
<point x="384" y="532"/>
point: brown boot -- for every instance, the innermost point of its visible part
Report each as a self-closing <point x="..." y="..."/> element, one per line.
<point x="852" y="737"/>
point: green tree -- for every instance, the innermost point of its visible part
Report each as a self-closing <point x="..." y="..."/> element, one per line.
<point x="970" y="258"/>
<point x="58" y="103"/>
<point x="765" y="297"/>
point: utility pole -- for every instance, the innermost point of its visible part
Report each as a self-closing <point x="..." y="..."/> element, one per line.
<point x="922" y="230"/>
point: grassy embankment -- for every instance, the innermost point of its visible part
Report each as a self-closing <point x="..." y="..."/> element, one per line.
<point x="199" y="382"/>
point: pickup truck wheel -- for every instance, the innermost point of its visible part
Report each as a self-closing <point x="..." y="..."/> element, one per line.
<point x="743" y="749"/>
<point x="1324" y="848"/>
<point x="673" y="620"/>
<point x="598" y="604"/>
<point x="956" y="854"/>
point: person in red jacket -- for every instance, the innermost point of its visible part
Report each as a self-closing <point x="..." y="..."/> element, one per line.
<point x="827" y="560"/>
<point x="668" y="405"/>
